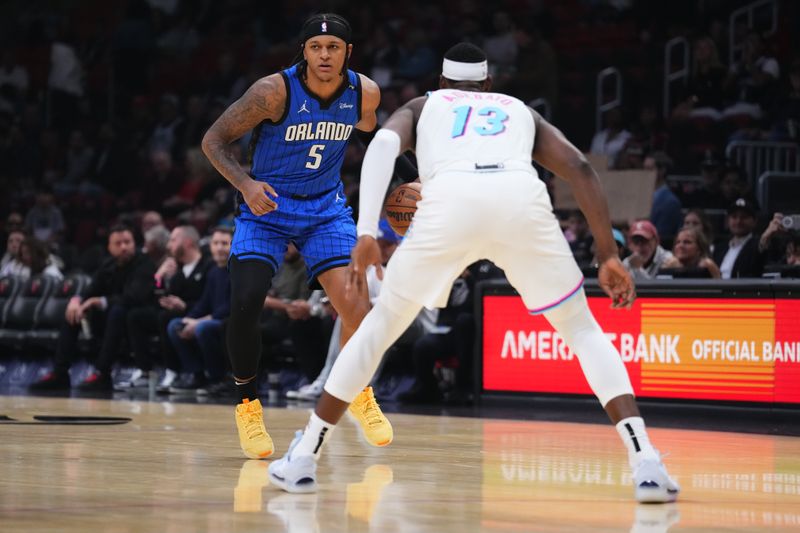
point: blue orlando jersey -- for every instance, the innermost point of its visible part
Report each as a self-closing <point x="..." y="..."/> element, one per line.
<point x="302" y="153"/>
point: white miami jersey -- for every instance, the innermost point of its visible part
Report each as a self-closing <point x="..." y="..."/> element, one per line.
<point x="469" y="131"/>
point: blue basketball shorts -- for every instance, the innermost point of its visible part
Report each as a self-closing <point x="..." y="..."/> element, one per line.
<point x="321" y="227"/>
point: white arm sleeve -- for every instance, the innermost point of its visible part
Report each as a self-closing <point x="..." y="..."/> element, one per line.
<point x="376" y="172"/>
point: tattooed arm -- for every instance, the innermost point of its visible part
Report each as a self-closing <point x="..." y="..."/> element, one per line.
<point x="264" y="100"/>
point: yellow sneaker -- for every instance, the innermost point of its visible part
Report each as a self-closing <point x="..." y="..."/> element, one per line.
<point x="376" y="427"/>
<point x="256" y="442"/>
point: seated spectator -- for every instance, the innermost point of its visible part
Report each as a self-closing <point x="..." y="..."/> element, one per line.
<point x="155" y="244"/>
<point x="178" y="284"/>
<point x="11" y="255"/>
<point x="33" y="258"/>
<point x="740" y="257"/>
<point x="751" y="81"/>
<point x="611" y="140"/>
<point x="579" y="238"/>
<point x="199" y="338"/>
<point x="45" y="221"/>
<point x="122" y="282"/>
<point x="647" y="255"/>
<point x="691" y="252"/>
<point x="705" y="89"/>
<point x="776" y="241"/>
<point x="666" y="213"/>
<point x="696" y="218"/>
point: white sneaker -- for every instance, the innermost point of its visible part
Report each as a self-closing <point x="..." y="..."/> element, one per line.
<point x="139" y="379"/>
<point x="167" y="380"/>
<point x="294" y="474"/>
<point x="312" y="391"/>
<point x="652" y="483"/>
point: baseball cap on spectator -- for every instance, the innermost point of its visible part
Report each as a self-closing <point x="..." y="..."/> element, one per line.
<point x="386" y="232"/>
<point x="644" y="228"/>
<point x="742" y="204"/>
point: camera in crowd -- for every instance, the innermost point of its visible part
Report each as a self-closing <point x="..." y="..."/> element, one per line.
<point x="791" y="222"/>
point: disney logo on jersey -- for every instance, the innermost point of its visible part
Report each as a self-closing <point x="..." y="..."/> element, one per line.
<point x="343" y="105"/>
<point x="321" y="131"/>
<point x="304" y="108"/>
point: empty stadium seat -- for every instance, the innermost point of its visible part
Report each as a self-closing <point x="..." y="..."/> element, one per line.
<point x="51" y="314"/>
<point x="21" y="313"/>
<point x="9" y="286"/>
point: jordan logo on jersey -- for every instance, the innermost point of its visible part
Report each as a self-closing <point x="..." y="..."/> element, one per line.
<point x="303" y="107"/>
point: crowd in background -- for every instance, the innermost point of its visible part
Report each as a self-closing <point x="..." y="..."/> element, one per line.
<point x="103" y="106"/>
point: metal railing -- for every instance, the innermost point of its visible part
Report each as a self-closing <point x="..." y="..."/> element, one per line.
<point x="670" y="76"/>
<point x="749" y="12"/>
<point x="614" y="101"/>
<point x="757" y="157"/>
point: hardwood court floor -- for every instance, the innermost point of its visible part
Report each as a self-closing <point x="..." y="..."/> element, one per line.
<point x="177" y="468"/>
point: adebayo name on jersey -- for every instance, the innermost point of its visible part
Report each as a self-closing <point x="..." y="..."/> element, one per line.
<point x="321" y="131"/>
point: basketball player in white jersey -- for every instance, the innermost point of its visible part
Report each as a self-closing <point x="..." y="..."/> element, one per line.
<point x="481" y="199"/>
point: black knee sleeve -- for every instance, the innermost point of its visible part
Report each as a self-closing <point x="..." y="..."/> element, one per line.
<point x="250" y="282"/>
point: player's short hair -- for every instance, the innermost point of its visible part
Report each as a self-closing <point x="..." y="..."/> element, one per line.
<point x="465" y="53"/>
<point x="223" y="229"/>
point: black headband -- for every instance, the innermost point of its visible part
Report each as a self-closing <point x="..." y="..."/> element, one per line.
<point x="326" y="26"/>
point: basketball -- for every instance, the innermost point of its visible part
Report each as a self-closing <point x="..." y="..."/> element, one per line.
<point x="401" y="204"/>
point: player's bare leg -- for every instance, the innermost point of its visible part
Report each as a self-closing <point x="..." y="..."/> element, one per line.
<point x="352" y="306"/>
<point x="391" y="316"/>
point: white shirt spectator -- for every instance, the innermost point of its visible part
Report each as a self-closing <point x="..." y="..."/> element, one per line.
<point x="734" y="248"/>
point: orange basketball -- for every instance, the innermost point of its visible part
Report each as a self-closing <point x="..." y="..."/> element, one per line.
<point x="401" y="204"/>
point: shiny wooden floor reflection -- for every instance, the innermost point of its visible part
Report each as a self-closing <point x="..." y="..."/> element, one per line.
<point x="177" y="468"/>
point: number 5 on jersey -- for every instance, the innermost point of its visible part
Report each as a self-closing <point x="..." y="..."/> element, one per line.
<point x="495" y="120"/>
<point x="315" y="154"/>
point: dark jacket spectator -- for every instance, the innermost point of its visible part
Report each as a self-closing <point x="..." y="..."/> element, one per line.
<point x="216" y="298"/>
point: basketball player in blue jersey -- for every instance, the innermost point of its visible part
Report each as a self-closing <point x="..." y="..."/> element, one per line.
<point x="481" y="198"/>
<point x="302" y="118"/>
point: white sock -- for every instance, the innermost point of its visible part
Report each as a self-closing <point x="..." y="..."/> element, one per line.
<point x="317" y="432"/>
<point x="634" y="435"/>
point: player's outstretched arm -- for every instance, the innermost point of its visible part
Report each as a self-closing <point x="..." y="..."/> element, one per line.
<point x="553" y="151"/>
<point x="264" y="100"/>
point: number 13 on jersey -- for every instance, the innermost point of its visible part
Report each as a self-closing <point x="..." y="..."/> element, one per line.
<point x="492" y="124"/>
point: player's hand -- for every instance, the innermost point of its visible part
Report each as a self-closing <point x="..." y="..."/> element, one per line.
<point x="257" y="196"/>
<point x="366" y="252"/>
<point x="617" y="282"/>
